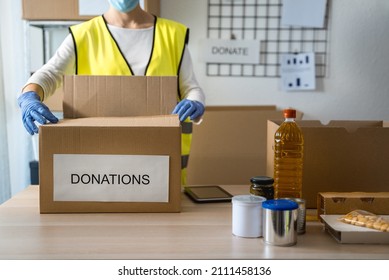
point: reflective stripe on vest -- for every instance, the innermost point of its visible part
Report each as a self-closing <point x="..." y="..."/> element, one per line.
<point x="97" y="53"/>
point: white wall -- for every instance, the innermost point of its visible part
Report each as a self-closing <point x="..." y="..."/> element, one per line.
<point x="357" y="84"/>
<point x="12" y="47"/>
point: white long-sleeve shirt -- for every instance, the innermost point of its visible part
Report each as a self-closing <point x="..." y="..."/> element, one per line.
<point x="135" y="45"/>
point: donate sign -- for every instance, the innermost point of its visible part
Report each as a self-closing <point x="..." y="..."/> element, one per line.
<point x="111" y="178"/>
<point x="231" y="51"/>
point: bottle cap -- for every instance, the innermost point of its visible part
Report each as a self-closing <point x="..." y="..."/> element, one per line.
<point x="289" y="113"/>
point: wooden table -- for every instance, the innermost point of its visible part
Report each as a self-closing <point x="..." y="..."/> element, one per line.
<point x="200" y="231"/>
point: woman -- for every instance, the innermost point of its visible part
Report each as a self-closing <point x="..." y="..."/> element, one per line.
<point x="126" y="40"/>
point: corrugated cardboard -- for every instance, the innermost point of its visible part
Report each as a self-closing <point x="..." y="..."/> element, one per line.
<point x="343" y="156"/>
<point x="156" y="135"/>
<point x="329" y="203"/>
<point x="52" y="10"/>
<point x="55" y="101"/>
<point x="118" y="96"/>
<point x="67" y="9"/>
<point x="229" y="147"/>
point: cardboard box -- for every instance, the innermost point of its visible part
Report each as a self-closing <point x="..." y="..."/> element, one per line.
<point x="229" y="147"/>
<point x="155" y="85"/>
<point x="343" y="156"/>
<point x="73" y="9"/>
<point x="346" y="233"/>
<point x="118" y="96"/>
<point x="329" y="203"/>
<point x="101" y="135"/>
<point x="127" y="164"/>
<point x="55" y="101"/>
<point x="53" y="10"/>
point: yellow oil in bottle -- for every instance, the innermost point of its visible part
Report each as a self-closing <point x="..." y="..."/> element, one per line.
<point x="288" y="158"/>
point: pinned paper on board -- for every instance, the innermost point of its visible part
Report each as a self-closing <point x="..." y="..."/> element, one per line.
<point x="298" y="71"/>
<point x="303" y="13"/>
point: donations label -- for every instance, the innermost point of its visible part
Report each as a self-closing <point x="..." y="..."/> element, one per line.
<point x="111" y="178"/>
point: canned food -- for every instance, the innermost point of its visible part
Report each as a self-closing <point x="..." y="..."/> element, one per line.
<point x="280" y="222"/>
<point x="301" y="215"/>
<point x="262" y="186"/>
<point x="247" y="215"/>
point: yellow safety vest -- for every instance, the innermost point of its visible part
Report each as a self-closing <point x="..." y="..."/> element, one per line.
<point x="97" y="53"/>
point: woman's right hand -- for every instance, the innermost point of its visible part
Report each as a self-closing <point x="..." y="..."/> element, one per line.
<point x="34" y="110"/>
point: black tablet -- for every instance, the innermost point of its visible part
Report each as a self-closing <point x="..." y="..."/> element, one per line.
<point x="207" y="193"/>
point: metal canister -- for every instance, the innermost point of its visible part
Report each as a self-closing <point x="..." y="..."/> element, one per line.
<point x="280" y="222"/>
<point x="247" y="215"/>
<point x="262" y="186"/>
<point x="301" y="215"/>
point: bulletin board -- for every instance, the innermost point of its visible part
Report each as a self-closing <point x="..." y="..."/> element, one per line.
<point x="261" y="20"/>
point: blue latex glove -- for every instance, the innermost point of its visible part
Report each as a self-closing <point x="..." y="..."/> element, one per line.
<point x="34" y="110"/>
<point x="189" y="108"/>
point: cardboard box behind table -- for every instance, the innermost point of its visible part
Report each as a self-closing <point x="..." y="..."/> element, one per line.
<point x="53" y="10"/>
<point x="70" y="9"/>
<point x="229" y="146"/>
<point x="330" y="203"/>
<point x="343" y="156"/>
<point x="153" y="135"/>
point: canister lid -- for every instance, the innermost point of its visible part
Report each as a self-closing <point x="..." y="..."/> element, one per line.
<point x="247" y="199"/>
<point x="262" y="180"/>
<point x="280" y="204"/>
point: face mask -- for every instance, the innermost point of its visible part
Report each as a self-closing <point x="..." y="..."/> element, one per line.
<point x="124" y="6"/>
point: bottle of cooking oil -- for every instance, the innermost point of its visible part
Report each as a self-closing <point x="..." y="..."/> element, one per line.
<point x="288" y="158"/>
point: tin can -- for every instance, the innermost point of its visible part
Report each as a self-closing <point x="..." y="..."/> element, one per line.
<point x="301" y="215"/>
<point x="280" y="222"/>
<point x="262" y="186"/>
<point x="247" y="217"/>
